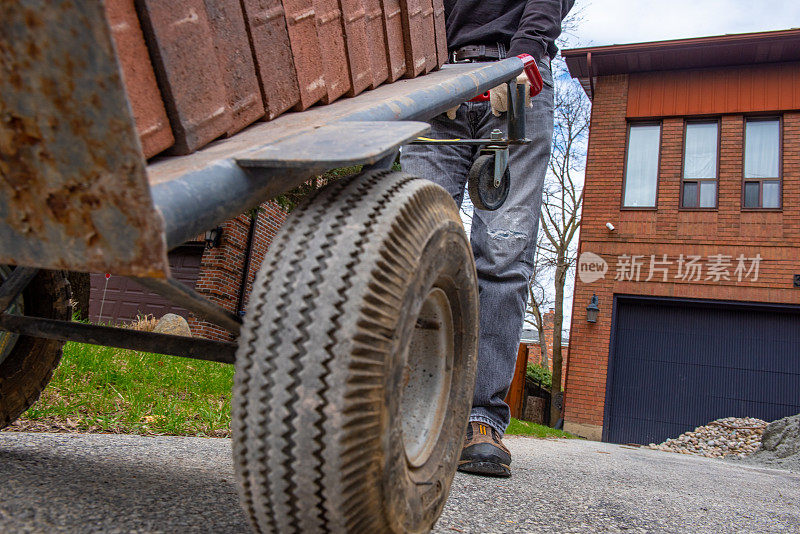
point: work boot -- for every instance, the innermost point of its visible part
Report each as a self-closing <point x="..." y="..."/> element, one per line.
<point x="484" y="452"/>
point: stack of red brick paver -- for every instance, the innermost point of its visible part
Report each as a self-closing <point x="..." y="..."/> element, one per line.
<point x="197" y="70"/>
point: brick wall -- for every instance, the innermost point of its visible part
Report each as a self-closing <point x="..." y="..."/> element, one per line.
<point x="668" y="230"/>
<point x="221" y="268"/>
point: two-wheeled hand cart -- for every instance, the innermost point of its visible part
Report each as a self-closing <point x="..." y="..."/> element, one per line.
<point x="356" y="359"/>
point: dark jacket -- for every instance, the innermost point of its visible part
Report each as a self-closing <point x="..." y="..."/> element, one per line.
<point x="529" y="27"/>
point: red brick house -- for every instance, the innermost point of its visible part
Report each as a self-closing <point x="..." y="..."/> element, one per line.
<point x="222" y="271"/>
<point x="690" y="237"/>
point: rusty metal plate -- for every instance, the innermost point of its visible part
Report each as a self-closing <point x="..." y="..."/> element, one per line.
<point x="181" y="45"/>
<point x="140" y="80"/>
<point x="441" y="32"/>
<point x="269" y="41"/>
<point x="235" y="62"/>
<point x="395" y="49"/>
<point x="306" y="51"/>
<point x="379" y="55"/>
<point x="334" y="54"/>
<point x="358" y="50"/>
<point x="414" y="36"/>
<point x="73" y="190"/>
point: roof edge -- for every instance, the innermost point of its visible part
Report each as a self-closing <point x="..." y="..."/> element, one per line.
<point x="734" y="49"/>
<point x="726" y="39"/>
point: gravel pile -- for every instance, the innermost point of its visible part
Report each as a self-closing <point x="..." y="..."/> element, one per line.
<point x="780" y="445"/>
<point x="737" y="436"/>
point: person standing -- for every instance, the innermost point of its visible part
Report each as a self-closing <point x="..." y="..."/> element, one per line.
<point x="503" y="241"/>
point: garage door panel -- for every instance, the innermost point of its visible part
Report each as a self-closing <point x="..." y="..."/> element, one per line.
<point x="647" y="430"/>
<point x="134" y="309"/>
<point x="678" y="366"/>
<point x="784" y="387"/>
<point x="771" y="357"/>
<point x="638" y="391"/>
<point x="723" y="390"/>
<point x="122" y="299"/>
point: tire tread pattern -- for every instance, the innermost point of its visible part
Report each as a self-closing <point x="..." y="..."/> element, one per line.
<point x="291" y="379"/>
<point x="29" y="367"/>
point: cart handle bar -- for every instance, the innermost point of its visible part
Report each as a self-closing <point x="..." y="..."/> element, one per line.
<point x="531" y="69"/>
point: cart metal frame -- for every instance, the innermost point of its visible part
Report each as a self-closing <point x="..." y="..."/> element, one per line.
<point x="77" y="194"/>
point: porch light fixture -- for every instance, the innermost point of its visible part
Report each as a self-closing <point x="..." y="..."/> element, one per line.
<point x="213" y="237"/>
<point x="592" y="310"/>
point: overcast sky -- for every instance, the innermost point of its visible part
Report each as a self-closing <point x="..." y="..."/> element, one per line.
<point x="608" y="22"/>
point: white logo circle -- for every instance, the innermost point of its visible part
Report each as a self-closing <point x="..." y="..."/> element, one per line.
<point x="591" y="267"/>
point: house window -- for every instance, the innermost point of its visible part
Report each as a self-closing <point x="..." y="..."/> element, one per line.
<point x="641" y="166"/>
<point x="762" y="176"/>
<point x="700" y="165"/>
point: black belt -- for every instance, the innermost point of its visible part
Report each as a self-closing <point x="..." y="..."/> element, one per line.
<point x="469" y="53"/>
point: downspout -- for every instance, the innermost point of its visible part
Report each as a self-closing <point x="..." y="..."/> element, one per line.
<point x="251" y="232"/>
<point x="591" y="74"/>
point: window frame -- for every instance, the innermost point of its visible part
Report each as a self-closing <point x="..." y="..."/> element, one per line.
<point x="681" y="206"/>
<point x="760" y="181"/>
<point x="630" y="125"/>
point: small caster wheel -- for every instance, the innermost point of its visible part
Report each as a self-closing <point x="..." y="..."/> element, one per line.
<point x="483" y="192"/>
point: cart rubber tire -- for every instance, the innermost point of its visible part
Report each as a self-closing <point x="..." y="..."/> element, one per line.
<point x="27" y="369"/>
<point x="480" y="184"/>
<point x="368" y="291"/>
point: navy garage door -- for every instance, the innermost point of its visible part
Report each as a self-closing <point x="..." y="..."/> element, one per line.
<point x="675" y="365"/>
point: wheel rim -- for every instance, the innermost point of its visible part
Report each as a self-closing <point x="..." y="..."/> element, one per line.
<point x="427" y="377"/>
<point x="7" y="339"/>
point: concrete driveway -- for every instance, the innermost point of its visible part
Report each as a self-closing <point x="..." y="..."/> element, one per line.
<point x="103" y="483"/>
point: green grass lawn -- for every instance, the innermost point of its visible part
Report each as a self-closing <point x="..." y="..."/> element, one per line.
<point x="103" y="389"/>
<point x="526" y="428"/>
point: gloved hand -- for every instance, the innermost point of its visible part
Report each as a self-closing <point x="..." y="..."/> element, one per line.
<point x="498" y="97"/>
<point x="451" y="113"/>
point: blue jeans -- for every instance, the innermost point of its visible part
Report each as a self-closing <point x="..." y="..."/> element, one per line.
<point x="503" y="241"/>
